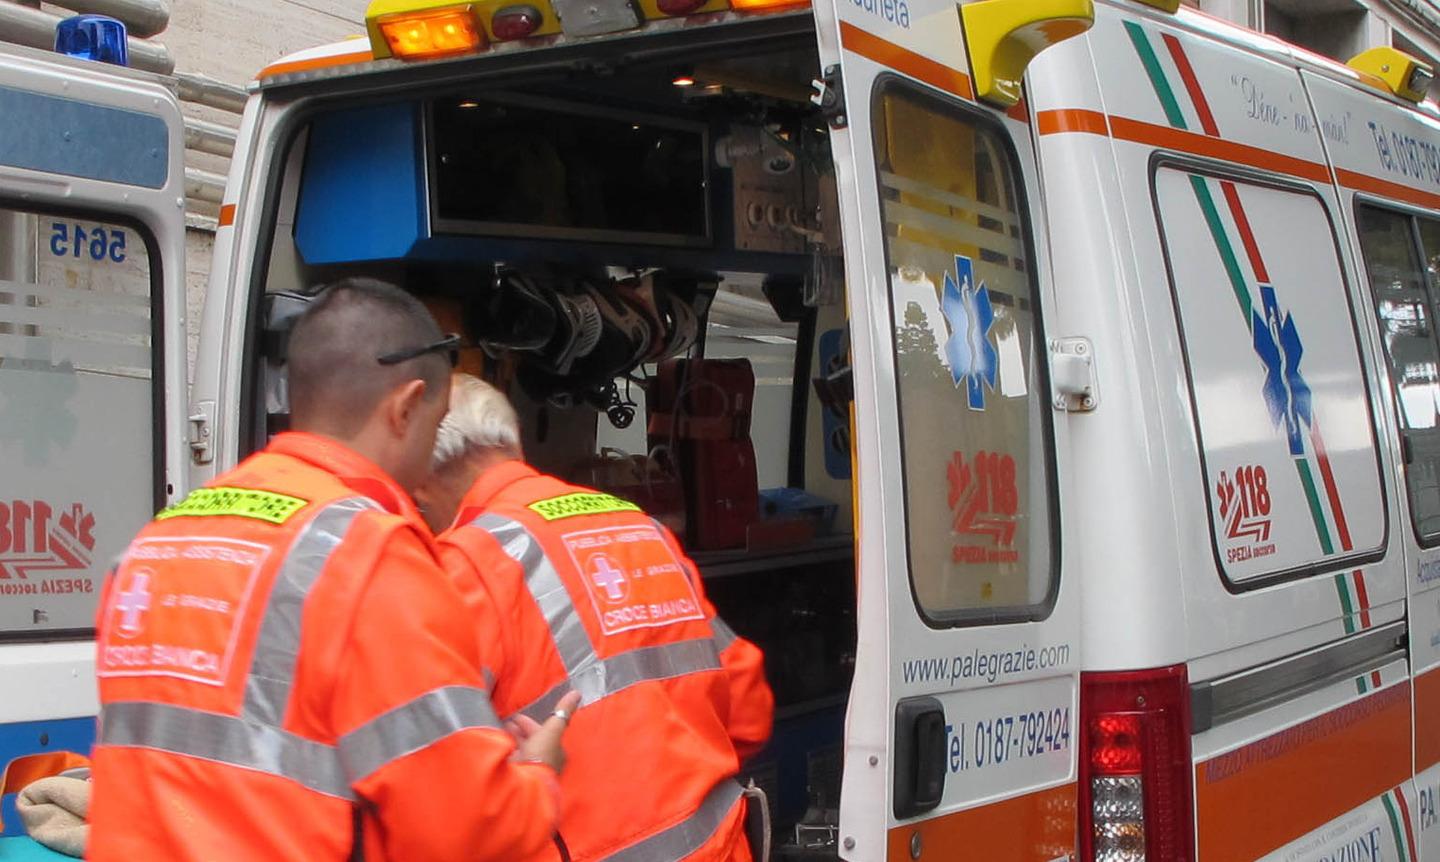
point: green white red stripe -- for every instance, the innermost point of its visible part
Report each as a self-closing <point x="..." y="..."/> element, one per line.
<point x="1397" y="812"/>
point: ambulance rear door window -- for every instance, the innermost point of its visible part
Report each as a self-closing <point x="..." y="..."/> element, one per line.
<point x="974" y="416"/>
<point x="79" y="432"/>
<point x="1282" y="411"/>
<point x="1401" y="255"/>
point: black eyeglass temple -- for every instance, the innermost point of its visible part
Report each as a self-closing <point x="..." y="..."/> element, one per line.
<point x="449" y="346"/>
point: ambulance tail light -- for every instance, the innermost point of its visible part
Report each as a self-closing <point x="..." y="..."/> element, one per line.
<point x="1135" y="788"/>
<point x="515" y="22"/>
<point x="679" y="7"/>
<point x="420" y="34"/>
<point x="766" y="5"/>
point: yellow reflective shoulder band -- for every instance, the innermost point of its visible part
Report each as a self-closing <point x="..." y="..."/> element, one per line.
<point x="580" y="503"/>
<point x="237" y="502"/>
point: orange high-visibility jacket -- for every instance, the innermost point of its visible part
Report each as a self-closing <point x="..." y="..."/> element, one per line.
<point x="578" y="590"/>
<point x="281" y="658"/>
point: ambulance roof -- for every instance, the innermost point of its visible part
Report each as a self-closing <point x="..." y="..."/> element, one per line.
<point x="353" y="56"/>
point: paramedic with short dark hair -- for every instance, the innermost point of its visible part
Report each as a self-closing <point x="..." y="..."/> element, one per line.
<point x="578" y="591"/>
<point x="285" y="671"/>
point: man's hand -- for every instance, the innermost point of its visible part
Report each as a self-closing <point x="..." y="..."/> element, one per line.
<point x="542" y="742"/>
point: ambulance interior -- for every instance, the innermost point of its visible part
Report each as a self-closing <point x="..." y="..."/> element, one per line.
<point x="582" y="233"/>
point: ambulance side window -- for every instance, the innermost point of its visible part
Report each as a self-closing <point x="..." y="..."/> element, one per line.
<point x="80" y="357"/>
<point x="1401" y="264"/>
<point x="974" y="417"/>
<point x="1282" y="413"/>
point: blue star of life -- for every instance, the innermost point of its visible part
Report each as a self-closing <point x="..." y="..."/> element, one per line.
<point x="1277" y="342"/>
<point x="968" y="311"/>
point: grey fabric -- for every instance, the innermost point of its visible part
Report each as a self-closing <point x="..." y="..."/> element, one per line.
<point x="412" y="726"/>
<point x="227" y="739"/>
<point x="619" y="672"/>
<point x="680" y="840"/>
<point x="272" y="667"/>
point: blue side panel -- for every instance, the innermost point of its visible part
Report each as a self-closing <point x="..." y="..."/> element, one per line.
<point x="27" y="850"/>
<point x="34" y="737"/>
<point x="362" y="191"/>
<point x="82" y="139"/>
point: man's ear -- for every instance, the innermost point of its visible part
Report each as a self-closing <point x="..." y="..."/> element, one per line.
<point x="402" y="404"/>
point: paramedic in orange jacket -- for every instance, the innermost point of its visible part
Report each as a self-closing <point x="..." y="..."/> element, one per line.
<point x="283" y="665"/>
<point x="581" y="591"/>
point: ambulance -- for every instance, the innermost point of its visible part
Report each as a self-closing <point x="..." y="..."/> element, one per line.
<point x="1095" y="401"/>
<point x="92" y="363"/>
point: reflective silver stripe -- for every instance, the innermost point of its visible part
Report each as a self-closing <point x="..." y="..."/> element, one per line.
<point x="577" y="653"/>
<point x="412" y="726"/>
<point x="224" y="739"/>
<point x="687" y="836"/>
<point x="619" y="672"/>
<point x="272" y="668"/>
<point x="724" y="635"/>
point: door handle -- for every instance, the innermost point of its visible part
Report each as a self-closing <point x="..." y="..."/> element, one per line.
<point x="919" y="755"/>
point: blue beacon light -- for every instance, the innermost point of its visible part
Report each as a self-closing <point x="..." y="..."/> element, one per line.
<point x="92" y="37"/>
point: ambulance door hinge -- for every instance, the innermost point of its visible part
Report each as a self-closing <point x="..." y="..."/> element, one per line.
<point x="202" y="420"/>
<point x="1072" y="375"/>
<point x="829" y="97"/>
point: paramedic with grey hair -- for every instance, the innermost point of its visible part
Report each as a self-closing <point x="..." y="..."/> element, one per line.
<point x="576" y="590"/>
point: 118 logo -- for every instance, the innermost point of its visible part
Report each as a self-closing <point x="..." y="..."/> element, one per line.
<point x="35" y="537"/>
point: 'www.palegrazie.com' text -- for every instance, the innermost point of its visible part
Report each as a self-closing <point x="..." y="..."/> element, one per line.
<point x="988" y="666"/>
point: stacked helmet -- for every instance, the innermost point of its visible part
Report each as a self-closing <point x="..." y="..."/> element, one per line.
<point x="682" y="303"/>
<point x="605" y="338"/>
<point x="514" y="314"/>
<point x="578" y="331"/>
<point x="624" y="342"/>
<point x="641" y="295"/>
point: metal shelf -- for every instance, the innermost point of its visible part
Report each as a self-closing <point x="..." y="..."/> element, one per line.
<point x="824" y="549"/>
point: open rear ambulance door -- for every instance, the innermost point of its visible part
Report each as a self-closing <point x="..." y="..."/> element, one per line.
<point x="962" y="726"/>
<point x="92" y="366"/>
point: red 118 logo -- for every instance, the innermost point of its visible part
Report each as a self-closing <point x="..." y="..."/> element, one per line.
<point x="35" y="538"/>
<point x="985" y="499"/>
<point x="1245" y="503"/>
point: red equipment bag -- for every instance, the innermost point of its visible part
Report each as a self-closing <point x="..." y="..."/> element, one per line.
<point x="701" y="409"/>
<point x="723" y="495"/>
<point x="701" y="399"/>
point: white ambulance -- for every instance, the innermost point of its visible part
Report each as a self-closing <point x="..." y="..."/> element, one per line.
<point x="1100" y="338"/>
<point x="92" y="365"/>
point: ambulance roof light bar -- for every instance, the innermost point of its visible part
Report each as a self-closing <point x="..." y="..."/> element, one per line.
<point x="93" y="37"/>
<point x="432" y="29"/>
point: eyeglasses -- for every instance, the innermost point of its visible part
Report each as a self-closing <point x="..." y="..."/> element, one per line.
<point x="449" y="347"/>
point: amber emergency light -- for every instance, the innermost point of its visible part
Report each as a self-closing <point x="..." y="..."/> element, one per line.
<point x="1396" y="71"/>
<point x="1003" y="36"/>
<point x="418" y="30"/>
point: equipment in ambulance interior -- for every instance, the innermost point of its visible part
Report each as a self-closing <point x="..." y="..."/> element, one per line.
<point x="650" y="269"/>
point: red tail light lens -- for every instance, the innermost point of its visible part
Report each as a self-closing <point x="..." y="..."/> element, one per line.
<point x="515" y="22"/>
<point x="679" y="7"/>
<point x="1115" y="744"/>
<point x="1135" y="770"/>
